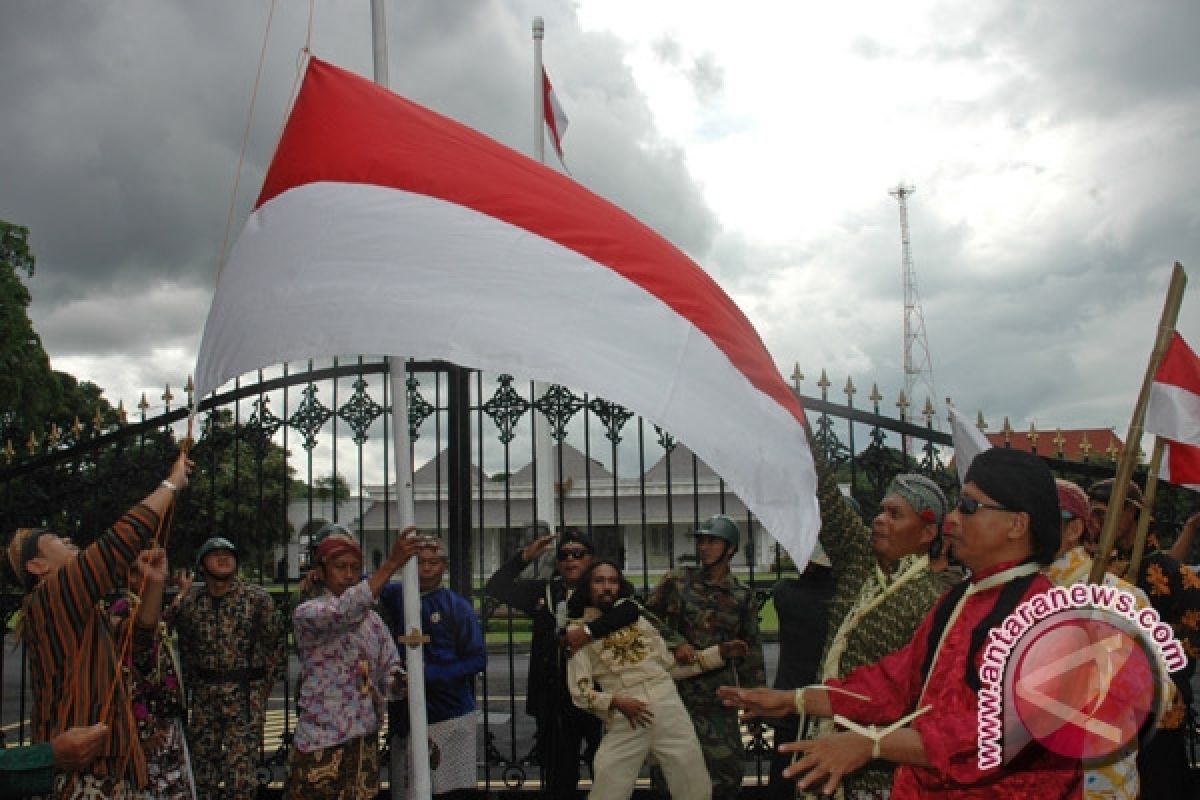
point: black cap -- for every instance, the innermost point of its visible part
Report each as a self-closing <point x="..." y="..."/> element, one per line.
<point x="573" y="535"/>
<point x="1021" y="481"/>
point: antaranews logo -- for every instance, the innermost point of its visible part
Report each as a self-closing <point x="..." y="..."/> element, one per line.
<point x="1077" y="668"/>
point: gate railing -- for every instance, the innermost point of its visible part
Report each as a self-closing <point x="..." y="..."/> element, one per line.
<point x="280" y="455"/>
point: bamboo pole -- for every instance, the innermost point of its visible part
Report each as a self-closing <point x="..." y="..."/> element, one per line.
<point x="1139" y="542"/>
<point x="1116" y="501"/>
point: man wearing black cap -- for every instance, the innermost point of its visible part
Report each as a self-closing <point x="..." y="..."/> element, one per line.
<point x="924" y="696"/>
<point x="563" y="730"/>
<point x="1174" y="592"/>
<point x="231" y="643"/>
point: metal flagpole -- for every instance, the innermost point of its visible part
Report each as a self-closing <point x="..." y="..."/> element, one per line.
<point x="418" y="737"/>
<point x="543" y="447"/>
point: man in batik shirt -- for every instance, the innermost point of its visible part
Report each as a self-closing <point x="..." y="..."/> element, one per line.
<point x="883" y="584"/>
<point x="1174" y="592"/>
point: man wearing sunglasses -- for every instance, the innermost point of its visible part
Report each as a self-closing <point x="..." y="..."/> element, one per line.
<point x="919" y="706"/>
<point x="1174" y="592"/>
<point x="564" y="732"/>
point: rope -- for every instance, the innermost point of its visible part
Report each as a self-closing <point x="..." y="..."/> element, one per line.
<point x="237" y="176"/>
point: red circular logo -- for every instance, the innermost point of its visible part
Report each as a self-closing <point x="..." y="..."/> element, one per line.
<point x="1083" y="686"/>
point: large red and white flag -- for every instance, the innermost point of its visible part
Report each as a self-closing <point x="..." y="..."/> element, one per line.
<point x="385" y="228"/>
<point x="556" y="118"/>
<point x="1174" y="408"/>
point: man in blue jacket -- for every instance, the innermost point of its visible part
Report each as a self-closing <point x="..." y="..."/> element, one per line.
<point x="453" y="656"/>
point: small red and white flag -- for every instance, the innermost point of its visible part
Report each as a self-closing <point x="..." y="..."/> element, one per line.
<point x="1173" y="413"/>
<point x="556" y="118"/>
<point x="1174" y="409"/>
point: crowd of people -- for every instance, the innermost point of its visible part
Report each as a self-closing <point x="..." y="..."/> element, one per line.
<point x="877" y="693"/>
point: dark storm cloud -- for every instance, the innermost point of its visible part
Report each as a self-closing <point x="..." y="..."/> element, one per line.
<point x="123" y="123"/>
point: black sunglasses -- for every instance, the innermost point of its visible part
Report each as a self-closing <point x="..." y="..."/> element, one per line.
<point x="969" y="505"/>
<point x="576" y="554"/>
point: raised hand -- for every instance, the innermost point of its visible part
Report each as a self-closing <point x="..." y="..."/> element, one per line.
<point x="534" y="549"/>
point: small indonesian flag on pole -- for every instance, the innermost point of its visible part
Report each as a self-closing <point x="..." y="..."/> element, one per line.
<point x="1181" y="465"/>
<point x="1173" y="413"/>
<point x="1174" y="409"/>
<point x="556" y="118"/>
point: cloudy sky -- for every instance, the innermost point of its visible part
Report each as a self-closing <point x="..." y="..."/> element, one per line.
<point x="1053" y="147"/>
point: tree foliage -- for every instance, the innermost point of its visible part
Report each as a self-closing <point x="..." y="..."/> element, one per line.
<point x="240" y="491"/>
<point x="33" y="396"/>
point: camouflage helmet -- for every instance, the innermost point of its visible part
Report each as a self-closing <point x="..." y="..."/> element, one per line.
<point x="212" y="545"/>
<point x="720" y="526"/>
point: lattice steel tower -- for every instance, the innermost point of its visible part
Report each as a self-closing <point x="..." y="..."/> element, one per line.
<point x="918" y="366"/>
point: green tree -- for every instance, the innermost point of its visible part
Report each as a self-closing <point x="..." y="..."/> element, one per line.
<point x="331" y="487"/>
<point x="32" y="395"/>
<point x="240" y="490"/>
<point x="26" y="385"/>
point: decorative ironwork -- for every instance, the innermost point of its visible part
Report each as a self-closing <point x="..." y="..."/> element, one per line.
<point x="559" y="404"/>
<point x="665" y="440"/>
<point x="262" y="425"/>
<point x="506" y="408"/>
<point x="1059" y="442"/>
<point x="419" y="408"/>
<point x="612" y="416"/>
<point x="310" y="416"/>
<point x="361" y="411"/>
<point x="1085" y="446"/>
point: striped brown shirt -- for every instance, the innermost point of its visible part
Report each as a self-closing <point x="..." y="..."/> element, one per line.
<point x="72" y="648"/>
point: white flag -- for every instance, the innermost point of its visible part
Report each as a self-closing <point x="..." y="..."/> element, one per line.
<point x="969" y="442"/>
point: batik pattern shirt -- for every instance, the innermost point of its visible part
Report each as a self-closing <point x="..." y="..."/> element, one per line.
<point x="1118" y="778"/>
<point x="950" y="730"/>
<point x="884" y="625"/>
<point x="347" y="665"/>
<point x="1174" y="592"/>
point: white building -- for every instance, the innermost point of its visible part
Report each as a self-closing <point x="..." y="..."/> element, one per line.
<point x="621" y="514"/>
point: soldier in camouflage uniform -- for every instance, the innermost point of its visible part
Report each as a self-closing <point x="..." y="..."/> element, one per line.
<point x="704" y="606"/>
<point x="232" y="647"/>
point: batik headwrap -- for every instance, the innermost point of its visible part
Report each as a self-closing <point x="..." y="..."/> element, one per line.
<point x="922" y="494"/>
<point x="337" y="544"/>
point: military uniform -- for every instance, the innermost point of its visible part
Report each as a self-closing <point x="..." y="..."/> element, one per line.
<point x="232" y="649"/>
<point x="703" y="613"/>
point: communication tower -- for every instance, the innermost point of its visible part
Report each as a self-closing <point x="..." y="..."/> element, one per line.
<point x="918" y="366"/>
